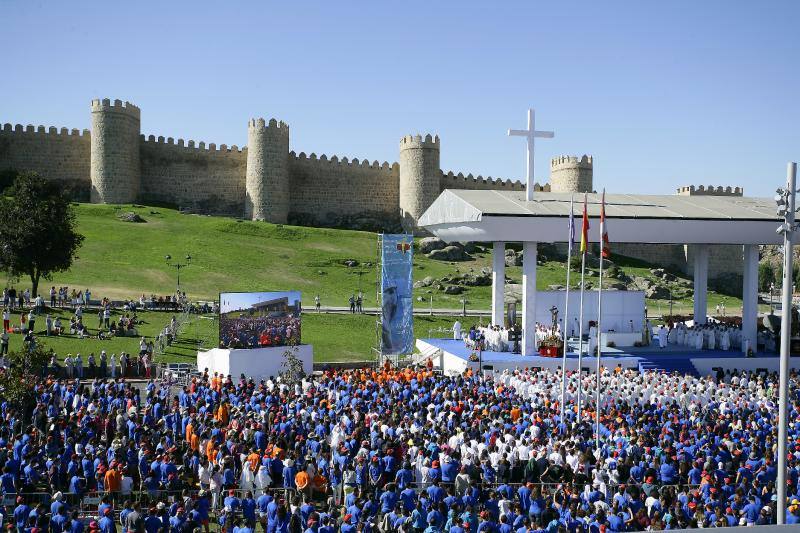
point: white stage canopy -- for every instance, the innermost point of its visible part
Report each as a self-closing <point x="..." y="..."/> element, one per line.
<point x="493" y="216"/>
<point x="502" y="216"/>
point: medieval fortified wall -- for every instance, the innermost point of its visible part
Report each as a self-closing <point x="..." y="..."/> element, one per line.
<point x="116" y="163"/>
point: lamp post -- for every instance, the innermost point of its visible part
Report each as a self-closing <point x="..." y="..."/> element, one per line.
<point x="178" y="266"/>
<point x="786" y="209"/>
<point x="771" y="299"/>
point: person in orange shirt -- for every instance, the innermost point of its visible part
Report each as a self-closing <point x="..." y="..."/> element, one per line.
<point x="113" y="479"/>
<point x="189" y="430"/>
<point x="194" y="443"/>
<point x="253" y="459"/>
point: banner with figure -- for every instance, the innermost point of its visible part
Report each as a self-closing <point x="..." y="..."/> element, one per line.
<point x="397" y="302"/>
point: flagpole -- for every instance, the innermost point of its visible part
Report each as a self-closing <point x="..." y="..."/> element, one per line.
<point x="580" y="337"/>
<point x="584" y="247"/>
<point x="599" y="317"/>
<point x="571" y="237"/>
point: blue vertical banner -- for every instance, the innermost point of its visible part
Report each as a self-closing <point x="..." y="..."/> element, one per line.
<point x="396" y="299"/>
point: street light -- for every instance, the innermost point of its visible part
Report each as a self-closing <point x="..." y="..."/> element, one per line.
<point x="178" y="266"/>
<point x="785" y="199"/>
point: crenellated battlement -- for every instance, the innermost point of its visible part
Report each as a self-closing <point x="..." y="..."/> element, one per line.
<point x="709" y="190"/>
<point x="43" y="130"/>
<point x="334" y="160"/>
<point x="418" y="141"/>
<point x="451" y="180"/>
<point x="117" y="106"/>
<point x="191" y="145"/>
<point x="585" y="161"/>
<point x="115" y="163"/>
<point x="570" y="173"/>
<point x="261" y="124"/>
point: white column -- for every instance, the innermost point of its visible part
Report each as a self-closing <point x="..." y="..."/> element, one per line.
<point x="750" y="297"/>
<point x="700" y="283"/>
<point x="498" y="282"/>
<point x="528" y="298"/>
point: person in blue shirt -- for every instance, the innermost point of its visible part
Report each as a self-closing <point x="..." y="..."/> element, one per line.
<point x="21" y="512"/>
<point x="106" y="523"/>
<point x="248" y="505"/>
<point x="75" y="524"/>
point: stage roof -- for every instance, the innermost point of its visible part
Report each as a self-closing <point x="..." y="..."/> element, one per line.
<point x="467" y="215"/>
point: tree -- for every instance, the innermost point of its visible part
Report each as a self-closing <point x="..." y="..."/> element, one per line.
<point x="766" y="276"/>
<point x="26" y="367"/>
<point x="292" y="366"/>
<point x="37" y="229"/>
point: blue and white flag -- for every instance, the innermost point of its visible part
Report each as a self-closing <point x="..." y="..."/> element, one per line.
<point x="397" y="301"/>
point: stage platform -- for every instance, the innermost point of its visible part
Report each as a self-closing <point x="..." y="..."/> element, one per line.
<point x="453" y="357"/>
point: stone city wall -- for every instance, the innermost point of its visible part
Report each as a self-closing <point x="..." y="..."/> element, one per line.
<point x="195" y="176"/>
<point x="332" y="192"/>
<point x="58" y="154"/>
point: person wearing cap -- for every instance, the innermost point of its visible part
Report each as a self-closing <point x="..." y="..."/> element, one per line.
<point x="106" y="523"/>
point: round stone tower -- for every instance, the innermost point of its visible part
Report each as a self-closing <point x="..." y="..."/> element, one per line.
<point x="419" y="177"/>
<point x="115" y="164"/>
<point x="267" y="175"/>
<point x="570" y="174"/>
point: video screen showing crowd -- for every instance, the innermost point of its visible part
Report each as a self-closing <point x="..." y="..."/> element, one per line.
<point x="259" y="319"/>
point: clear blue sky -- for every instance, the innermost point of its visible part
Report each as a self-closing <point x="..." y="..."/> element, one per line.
<point x="661" y="93"/>
<point x="234" y="301"/>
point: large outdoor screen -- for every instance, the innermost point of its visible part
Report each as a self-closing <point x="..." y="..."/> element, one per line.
<point x="259" y="319"/>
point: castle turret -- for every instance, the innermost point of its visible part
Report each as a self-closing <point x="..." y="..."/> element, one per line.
<point x="267" y="175"/>
<point x="570" y="174"/>
<point x="419" y="177"/>
<point x="115" y="165"/>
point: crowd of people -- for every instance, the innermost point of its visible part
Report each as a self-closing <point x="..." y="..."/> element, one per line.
<point x="258" y="332"/>
<point x="405" y="450"/>
<point x="712" y="336"/>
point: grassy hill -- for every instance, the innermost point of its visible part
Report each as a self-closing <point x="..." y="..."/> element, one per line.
<point x="125" y="259"/>
<point x="121" y="259"/>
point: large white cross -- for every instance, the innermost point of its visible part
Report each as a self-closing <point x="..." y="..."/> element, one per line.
<point x="530" y="134"/>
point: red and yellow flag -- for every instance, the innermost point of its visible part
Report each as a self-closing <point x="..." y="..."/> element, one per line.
<point x="606" y="250"/>
<point x="584" y="228"/>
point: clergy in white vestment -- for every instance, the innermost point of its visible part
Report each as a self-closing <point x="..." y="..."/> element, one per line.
<point x="662" y="337"/>
<point x="593" y="340"/>
<point x="698" y="342"/>
<point x="725" y="340"/>
<point x="457" y="331"/>
<point x="712" y="339"/>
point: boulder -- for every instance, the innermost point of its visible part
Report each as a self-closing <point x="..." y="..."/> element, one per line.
<point x="470" y="247"/>
<point x="616" y="285"/>
<point x="453" y="289"/>
<point x="555" y="287"/>
<point x="429" y="244"/>
<point x="449" y="253"/>
<point x="130" y="216"/>
<point x="513" y="258"/>
<point x="657" y="292"/>
<point x="513" y="293"/>
<point x="350" y="263"/>
<point x="427" y="281"/>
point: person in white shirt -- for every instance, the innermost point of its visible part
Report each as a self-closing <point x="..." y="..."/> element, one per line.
<point x="457" y="331"/>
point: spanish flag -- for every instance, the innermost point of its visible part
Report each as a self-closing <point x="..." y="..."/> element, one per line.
<point x="606" y="250"/>
<point x="585" y="228"/>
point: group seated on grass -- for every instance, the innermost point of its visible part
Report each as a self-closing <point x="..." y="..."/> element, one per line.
<point x="405" y="450"/>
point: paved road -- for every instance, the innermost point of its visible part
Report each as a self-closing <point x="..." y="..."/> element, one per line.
<point x="419" y="311"/>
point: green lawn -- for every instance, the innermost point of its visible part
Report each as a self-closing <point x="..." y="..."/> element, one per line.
<point x="123" y="260"/>
<point x="335" y="337"/>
